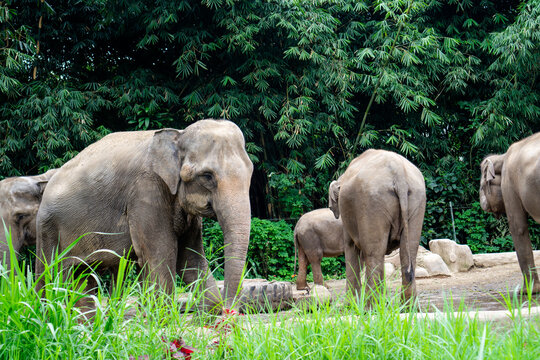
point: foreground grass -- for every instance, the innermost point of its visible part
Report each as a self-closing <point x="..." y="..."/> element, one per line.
<point x="32" y="327"/>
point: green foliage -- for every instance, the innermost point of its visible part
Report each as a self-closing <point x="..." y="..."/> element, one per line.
<point x="270" y="252"/>
<point x="292" y="193"/>
<point x="476" y="227"/>
<point x="444" y="187"/>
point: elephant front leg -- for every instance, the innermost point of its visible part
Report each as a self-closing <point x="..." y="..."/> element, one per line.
<point x="156" y="248"/>
<point x="192" y="266"/>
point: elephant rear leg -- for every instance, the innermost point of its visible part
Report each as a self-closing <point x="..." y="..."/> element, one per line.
<point x="301" y="280"/>
<point x="519" y="228"/>
<point x="352" y="266"/>
<point x="315" y="259"/>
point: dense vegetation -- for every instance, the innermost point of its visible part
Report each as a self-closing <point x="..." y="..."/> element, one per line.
<point x="311" y="83"/>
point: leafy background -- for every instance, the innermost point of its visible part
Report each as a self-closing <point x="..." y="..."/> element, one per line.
<point x="311" y="84"/>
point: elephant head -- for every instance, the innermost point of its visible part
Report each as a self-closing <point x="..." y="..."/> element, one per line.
<point x="207" y="167"/>
<point x="19" y="202"/>
<point x="333" y="197"/>
<point x="491" y="199"/>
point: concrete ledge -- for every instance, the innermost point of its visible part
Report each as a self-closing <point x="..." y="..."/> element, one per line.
<point x="495" y="259"/>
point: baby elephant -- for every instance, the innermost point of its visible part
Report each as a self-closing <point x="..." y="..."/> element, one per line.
<point x="317" y="234"/>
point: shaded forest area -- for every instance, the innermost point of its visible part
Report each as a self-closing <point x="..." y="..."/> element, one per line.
<point x="311" y="84"/>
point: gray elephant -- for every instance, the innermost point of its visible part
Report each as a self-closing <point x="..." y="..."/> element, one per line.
<point x="510" y="184"/>
<point x="20" y="197"/>
<point x="151" y="189"/>
<point x="317" y="234"/>
<point x="381" y="198"/>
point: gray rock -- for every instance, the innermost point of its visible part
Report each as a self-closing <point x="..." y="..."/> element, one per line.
<point x="421" y="272"/>
<point x="458" y="258"/>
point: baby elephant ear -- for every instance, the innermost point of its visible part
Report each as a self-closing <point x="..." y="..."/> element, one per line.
<point x="333" y="197"/>
<point x="165" y="158"/>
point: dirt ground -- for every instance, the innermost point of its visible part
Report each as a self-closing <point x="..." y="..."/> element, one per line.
<point x="479" y="288"/>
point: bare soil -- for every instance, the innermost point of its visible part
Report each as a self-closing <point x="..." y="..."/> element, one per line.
<point x="479" y="288"/>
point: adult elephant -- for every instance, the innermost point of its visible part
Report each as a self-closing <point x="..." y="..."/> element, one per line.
<point x="20" y="197"/>
<point x="381" y="198"/>
<point x="510" y="184"/>
<point x="317" y="234"/>
<point x="151" y="189"/>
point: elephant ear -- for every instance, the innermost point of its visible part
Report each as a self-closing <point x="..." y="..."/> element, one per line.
<point x="333" y="197"/>
<point x="488" y="170"/>
<point x="42" y="184"/>
<point x="165" y="158"/>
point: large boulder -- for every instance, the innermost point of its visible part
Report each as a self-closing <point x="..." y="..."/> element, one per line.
<point x="458" y="258"/>
<point x="430" y="264"/>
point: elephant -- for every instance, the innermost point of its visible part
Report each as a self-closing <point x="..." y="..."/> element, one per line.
<point x="381" y="198"/>
<point x="317" y="234"/>
<point x="510" y="184"/>
<point x="20" y="197"/>
<point x="148" y="191"/>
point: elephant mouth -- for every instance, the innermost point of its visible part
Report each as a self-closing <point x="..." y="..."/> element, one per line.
<point x="208" y="212"/>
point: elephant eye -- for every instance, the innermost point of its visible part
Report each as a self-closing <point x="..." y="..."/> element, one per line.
<point x="207" y="176"/>
<point x="207" y="179"/>
<point x="20" y="217"/>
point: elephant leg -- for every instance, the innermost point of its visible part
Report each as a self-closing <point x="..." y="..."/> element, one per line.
<point x="374" y="263"/>
<point x="315" y="258"/>
<point x="155" y="245"/>
<point x="46" y="244"/>
<point x="318" y="278"/>
<point x="301" y="282"/>
<point x="352" y="266"/>
<point x="192" y="265"/>
<point x="519" y="228"/>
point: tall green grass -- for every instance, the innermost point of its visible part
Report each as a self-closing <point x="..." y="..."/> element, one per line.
<point x="133" y="317"/>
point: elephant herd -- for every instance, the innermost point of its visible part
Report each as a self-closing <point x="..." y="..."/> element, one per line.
<point x="378" y="204"/>
<point x="145" y="193"/>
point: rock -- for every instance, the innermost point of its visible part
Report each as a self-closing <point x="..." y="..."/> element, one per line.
<point x="321" y="294"/>
<point x="420" y="272"/>
<point x="389" y="269"/>
<point x="458" y="258"/>
<point x="433" y="264"/>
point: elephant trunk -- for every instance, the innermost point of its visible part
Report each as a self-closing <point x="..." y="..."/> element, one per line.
<point x="5" y="253"/>
<point x="233" y="212"/>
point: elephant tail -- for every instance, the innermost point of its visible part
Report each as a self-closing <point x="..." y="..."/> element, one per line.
<point x="404" y="245"/>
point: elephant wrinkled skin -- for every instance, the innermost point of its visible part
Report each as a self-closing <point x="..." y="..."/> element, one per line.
<point x="20" y="197"/>
<point x="150" y="190"/>
<point x="381" y="199"/>
<point x="317" y="234"/>
<point x="510" y="184"/>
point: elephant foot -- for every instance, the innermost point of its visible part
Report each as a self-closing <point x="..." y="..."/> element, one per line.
<point x="302" y="286"/>
<point x="535" y="288"/>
